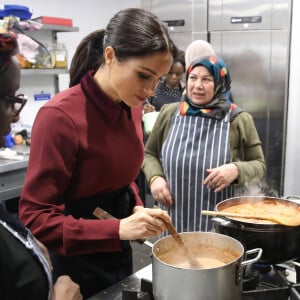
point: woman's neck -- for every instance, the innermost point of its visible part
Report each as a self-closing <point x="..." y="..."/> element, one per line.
<point x="102" y="80"/>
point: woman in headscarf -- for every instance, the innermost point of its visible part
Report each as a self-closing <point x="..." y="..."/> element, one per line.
<point x="202" y="148"/>
<point x="197" y="49"/>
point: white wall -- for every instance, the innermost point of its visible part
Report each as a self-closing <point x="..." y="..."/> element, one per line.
<point x="88" y="15"/>
<point x="292" y="168"/>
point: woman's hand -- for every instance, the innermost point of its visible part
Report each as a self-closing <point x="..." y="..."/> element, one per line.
<point x="144" y="222"/>
<point x="148" y="108"/>
<point x="66" y="289"/>
<point x="221" y="177"/>
<point x="160" y="191"/>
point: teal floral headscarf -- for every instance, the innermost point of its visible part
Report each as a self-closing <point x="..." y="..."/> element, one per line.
<point x="221" y="103"/>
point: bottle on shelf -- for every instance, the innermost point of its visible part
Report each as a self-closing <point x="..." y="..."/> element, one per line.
<point x="60" y="56"/>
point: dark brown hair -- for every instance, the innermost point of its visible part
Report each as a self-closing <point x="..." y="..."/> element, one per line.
<point x="132" y="32"/>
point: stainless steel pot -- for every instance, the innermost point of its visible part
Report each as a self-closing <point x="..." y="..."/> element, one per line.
<point x="221" y="283"/>
<point x="279" y="243"/>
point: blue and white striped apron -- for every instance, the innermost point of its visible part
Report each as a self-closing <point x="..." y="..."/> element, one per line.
<point x="193" y="145"/>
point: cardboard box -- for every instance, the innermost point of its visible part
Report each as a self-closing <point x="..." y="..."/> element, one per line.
<point x="54" y="21"/>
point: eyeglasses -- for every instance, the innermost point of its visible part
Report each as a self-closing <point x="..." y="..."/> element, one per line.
<point x="16" y="103"/>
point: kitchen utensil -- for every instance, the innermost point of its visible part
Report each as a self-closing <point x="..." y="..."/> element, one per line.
<point x="102" y="214"/>
<point x="191" y="259"/>
<point x="172" y="230"/>
<point x="177" y="283"/>
<point x="268" y="236"/>
<point x="279" y="219"/>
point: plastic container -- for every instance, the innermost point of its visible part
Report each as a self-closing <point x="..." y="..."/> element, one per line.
<point x="9" y="141"/>
<point x="3" y="13"/>
<point x="20" y="11"/>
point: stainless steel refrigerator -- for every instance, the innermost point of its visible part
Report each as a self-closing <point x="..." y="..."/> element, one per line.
<point x="186" y="20"/>
<point x="253" y="38"/>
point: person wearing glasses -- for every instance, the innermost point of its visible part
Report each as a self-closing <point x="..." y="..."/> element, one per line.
<point x="11" y="105"/>
<point x="202" y="149"/>
<point x="16" y="104"/>
<point x="25" y="266"/>
<point x="86" y="153"/>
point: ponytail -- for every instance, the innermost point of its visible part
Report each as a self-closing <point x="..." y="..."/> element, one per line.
<point x="88" y="56"/>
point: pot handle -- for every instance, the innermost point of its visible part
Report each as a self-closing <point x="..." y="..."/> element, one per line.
<point x="252" y="260"/>
<point x="293" y="198"/>
<point x="220" y="221"/>
<point x="147" y="243"/>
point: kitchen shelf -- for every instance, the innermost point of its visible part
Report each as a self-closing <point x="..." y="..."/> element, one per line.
<point x="47" y="34"/>
<point x="36" y="71"/>
<point x="55" y="28"/>
<point x="59" y="28"/>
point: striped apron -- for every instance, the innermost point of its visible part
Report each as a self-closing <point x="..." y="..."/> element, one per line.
<point x="193" y="145"/>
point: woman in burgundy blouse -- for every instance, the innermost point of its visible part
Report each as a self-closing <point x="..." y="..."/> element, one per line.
<point x="86" y="152"/>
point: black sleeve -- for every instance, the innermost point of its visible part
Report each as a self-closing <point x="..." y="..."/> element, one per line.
<point x="21" y="275"/>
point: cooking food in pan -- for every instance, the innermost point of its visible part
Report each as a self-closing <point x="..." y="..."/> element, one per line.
<point x="207" y="257"/>
<point x="283" y="212"/>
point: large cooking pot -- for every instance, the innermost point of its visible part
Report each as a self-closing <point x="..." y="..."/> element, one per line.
<point x="218" y="283"/>
<point x="279" y="243"/>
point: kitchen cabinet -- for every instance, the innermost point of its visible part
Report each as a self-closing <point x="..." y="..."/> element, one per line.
<point x="12" y="178"/>
<point x="12" y="174"/>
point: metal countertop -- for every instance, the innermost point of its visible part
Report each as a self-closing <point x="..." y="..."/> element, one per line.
<point x="7" y="165"/>
<point x="131" y="282"/>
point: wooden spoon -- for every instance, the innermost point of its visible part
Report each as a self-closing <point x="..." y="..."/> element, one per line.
<point x="279" y="219"/>
<point x="193" y="262"/>
<point x="102" y="214"/>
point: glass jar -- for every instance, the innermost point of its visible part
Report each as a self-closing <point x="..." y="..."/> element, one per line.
<point x="61" y="56"/>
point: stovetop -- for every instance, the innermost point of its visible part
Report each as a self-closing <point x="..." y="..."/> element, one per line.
<point x="260" y="282"/>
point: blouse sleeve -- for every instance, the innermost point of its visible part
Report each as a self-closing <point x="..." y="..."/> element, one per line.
<point x="46" y="180"/>
<point x="247" y="152"/>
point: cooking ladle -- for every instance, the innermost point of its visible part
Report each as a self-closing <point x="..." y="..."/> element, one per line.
<point x="279" y="219"/>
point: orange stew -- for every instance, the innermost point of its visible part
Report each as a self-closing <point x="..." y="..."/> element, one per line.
<point x="266" y="207"/>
